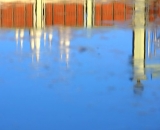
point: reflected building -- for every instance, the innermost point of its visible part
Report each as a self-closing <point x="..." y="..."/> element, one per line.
<point x="84" y="13"/>
<point x="44" y="13"/>
<point x="38" y="15"/>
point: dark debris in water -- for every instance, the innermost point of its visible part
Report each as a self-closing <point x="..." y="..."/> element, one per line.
<point x="82" y="49"/>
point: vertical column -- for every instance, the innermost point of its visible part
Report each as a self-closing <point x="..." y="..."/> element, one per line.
<point x="89" y="13"/>
<point x="37" y="44"/>
<point x="39" y="9"/>
<point x="139" y="40"/>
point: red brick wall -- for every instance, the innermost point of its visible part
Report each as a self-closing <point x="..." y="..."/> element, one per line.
<point x="58" y="14"/>
<point x="49" y="14"/>
<point x="129" y="12"/>
<point x="29" y="15"/>
<point x="80" y="15"/>
<point x="7" y="15"/>
<point x="107" y="14"/>
<point x="158" y="8"/>
<point x="152" y="11"/>
<point x="98" y="14"/>
<point x="19" y="15"/>
<point x="119" y="11"/>
<point x="70" y="15"/>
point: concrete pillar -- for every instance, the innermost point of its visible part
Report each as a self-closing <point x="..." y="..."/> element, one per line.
<point x="139" y="40"/>
<point x="89" y="13"/>
<point x="39" y="16"/>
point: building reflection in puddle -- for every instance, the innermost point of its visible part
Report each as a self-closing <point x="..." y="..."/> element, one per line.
<point x="38" y="16"/>
<point x="91" y="77"/>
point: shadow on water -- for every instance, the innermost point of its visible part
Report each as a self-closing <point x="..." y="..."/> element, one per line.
<point x="93" y="59"/>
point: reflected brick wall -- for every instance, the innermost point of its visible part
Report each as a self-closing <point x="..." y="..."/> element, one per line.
<point x="58" y="13"/>
<point x="70" y="14"/>
<point x="154" y="11"/>
<point x="16" y="15"/>
<point x="107" y="13"/>
<point x="7" y="16"/>
<point x="20" y="15"/>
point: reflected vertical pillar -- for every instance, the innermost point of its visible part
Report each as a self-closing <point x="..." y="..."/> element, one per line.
<point x="39" y="10"/>
<point x="37" y="44"/>
<point x="21" y="38"/>
<point x="89" y="13"/>
<point x="139" y="42"/>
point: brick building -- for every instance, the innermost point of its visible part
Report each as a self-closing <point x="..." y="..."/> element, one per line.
<point x="25" y="15"/>
<point x="16" y="15"/>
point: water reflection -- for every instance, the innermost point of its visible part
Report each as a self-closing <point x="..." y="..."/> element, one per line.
<point x="85" y="13"/>
<point x="38" y="16"/>
<point x="76" y="48"/>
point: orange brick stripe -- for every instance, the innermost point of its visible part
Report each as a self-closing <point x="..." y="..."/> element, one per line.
<point x="58" y="14"/>
<point x="70" y="15"/>
<point x="98" y="13"/>
<point x="129" y="12"/>
<point x="64" y="14"/>
<point x="7" y="16"/>
<point x="152" y="11"/>
<point x="158" y="8"/>
<point x="80" y="15"/>
<point x="29" y="15"/>
<point x="49" y="14"/>
<point x="119" y="11"/>
<point x="17" y="15"/>
<point x="107" y="14"/>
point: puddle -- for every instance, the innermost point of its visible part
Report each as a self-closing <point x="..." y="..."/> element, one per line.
<point x="79" y="65"/>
